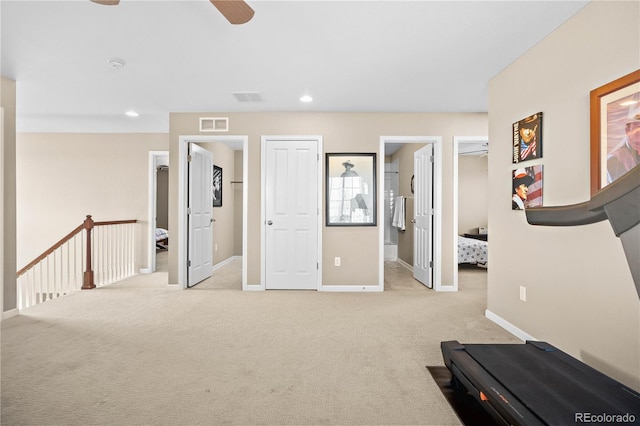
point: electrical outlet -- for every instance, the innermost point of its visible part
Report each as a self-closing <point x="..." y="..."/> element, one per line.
<point x="523" y="293"/>
<point x="336" y="261"/>
<point x="215" y="247"/>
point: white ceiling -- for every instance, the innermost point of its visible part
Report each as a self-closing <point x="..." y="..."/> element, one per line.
<point x="183" y="56"/>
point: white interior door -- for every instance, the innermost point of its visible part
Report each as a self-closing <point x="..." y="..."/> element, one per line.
<point x="199" y="217"/>
<point x="291" y="214"/>
<point x="423" y="216"/>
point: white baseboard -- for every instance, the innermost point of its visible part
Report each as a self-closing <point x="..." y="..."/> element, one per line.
<point x="405" y="264"/>
<point x="253" y="287"/>
<point x="10" y="314"/>
<point x="226" y="262"/>
<point x="145" y="270"/>
<point x="351" y="288"/>
<point x="520" y="334"/>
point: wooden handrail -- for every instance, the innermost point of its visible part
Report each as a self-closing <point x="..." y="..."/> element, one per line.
<point x="50" y="250"/>
<point x="87" y="224"/>
<point x="115" y="222"/>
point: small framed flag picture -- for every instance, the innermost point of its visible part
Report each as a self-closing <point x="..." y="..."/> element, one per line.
<point x="527" y="138"/>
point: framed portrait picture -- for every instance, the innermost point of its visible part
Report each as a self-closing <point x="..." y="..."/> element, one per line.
<point x="217" y="186"/>
<point x="527" y="138"/>
<point x="350" y="189"/>
<point x="615" y="130"/>
<point x="527" y="185"/>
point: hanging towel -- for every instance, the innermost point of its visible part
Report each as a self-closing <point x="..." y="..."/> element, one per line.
<point x="399" y="213"/>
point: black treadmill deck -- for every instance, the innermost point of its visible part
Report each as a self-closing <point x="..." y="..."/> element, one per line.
<point x="536" y="383"/>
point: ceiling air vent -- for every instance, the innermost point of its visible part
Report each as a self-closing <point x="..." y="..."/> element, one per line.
<point x="248" y="96"/>
<point x="214" y="124"/>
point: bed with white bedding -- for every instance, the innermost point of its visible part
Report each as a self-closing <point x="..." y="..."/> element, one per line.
<point x="473" y="251"/>
<point x="162" y="238"/>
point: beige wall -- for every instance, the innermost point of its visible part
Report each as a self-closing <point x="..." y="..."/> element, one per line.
<point x="63" y="177"/>
<point x="473" y="176"/>
<point x="580" y="294"/>
<point x="8" y="103"/>
<point x="341" y="132"/>
<point x="162" y="198"/>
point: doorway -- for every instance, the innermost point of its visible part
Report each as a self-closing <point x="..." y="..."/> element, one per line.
<point x="474" y="147"/>
<point x="158" y="208"/>
<point x="182" y="240"/>
<point x="388" y="145"/>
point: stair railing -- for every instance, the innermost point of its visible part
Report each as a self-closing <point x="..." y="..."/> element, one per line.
<point x="79" y="261"/>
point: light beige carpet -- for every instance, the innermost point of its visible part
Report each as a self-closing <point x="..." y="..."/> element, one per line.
<point x="140" y="352"/>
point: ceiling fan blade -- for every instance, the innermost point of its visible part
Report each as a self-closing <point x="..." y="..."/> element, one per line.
<point x="236" y="11"/>
<point x="107" y="2"/>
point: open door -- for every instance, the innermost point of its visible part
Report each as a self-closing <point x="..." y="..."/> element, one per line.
<point x="199" y="215"/>
<point x="423" y="216"/>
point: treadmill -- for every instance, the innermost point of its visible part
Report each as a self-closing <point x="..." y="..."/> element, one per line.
<point x="535" y="383"/>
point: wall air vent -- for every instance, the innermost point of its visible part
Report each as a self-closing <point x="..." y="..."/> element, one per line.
<point x="214" y="124"/>
<point x="248" y="96"/>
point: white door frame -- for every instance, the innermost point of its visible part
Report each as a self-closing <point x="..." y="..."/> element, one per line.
<point x="437" y="200"/>
<point x="457" y="141"/>
<point x="151" y="218"/>
<point x="263" y="178"/>
<point x="2" y="216"/>
<point x="182" y="231"/>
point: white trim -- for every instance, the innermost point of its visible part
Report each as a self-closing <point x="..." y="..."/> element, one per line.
<point x="263" y="161"/>
<point x="2" y="217"/>
<point x="520" y="334"/>
<point x="351" y="288"/>
<point x="151" y="217"/>
<point x="457" y="140"/>
<point x="245" y="209"/>
<point x="253" y="287"/>
<point x="405" y="264"/>
<point x="10" y="314"/>
<point x="437" y="195"/>
<point x="226" y="262"/>
<point x="183" y="143"/>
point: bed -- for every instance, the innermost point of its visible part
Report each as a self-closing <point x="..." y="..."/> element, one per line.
<point x="471" y="250"/>
<point x="162" y="238"/>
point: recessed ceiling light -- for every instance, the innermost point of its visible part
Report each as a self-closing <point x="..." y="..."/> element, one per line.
<point x="306" y="98"/>
<point x="131" y="114"/>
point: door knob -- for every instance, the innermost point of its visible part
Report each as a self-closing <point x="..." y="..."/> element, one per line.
<point x="412" y="221"/>
<point x="269" y="222"/>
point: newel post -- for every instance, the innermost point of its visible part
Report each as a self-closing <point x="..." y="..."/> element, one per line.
<point x="87" y="283"/>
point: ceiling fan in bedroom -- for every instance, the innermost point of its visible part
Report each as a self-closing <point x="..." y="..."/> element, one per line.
<point x="236" y="11"/>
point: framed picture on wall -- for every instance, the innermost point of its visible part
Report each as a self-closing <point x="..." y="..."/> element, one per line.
<point x="350" y="189"/>
<point x="527" y="187"/>
<point x="615" y="130"/>
<point x="217" y="186"/>
<point x="527" y="138"/>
